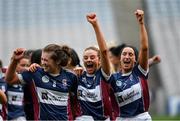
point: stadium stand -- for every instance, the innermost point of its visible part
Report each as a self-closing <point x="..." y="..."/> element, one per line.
<point x="164" y="22"/>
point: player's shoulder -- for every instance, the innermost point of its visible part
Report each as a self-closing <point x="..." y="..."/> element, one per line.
<point x="68" y="72"/>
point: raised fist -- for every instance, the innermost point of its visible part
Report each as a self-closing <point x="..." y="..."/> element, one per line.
<point x="18" y="53"/>
<point x="91" y="17"/>
<point x="139" y="15"/>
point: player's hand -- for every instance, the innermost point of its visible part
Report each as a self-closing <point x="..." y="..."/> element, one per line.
<point x="140" y="16"/>
<point x="18" y="54"/>
<point x="156" y="59"/>
<point x="91" y="18"/>
<point x="33" y="67"/>
<point x="78" y="71"/>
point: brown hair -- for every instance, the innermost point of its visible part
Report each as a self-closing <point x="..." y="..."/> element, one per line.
<point x="60" y="54"/>
<point x="95" y="49"/>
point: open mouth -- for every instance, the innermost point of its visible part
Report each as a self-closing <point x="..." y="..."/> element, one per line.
<point x="127" y="62"/>
<point x="89" y="65"/>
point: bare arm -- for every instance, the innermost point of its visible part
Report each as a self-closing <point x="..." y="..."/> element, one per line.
<point x="11" y="76"/>
<point x="154" y="60"/>
<point x="3" y="98"/>
<point x="105" y="64"/>
<point x="144" y="47"/>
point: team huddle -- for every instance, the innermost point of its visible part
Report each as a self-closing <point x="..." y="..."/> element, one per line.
<point x="56" y="87"/>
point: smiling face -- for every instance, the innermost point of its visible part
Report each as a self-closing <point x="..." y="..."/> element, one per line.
<point x="22" y="65"/>
<point x="48" y="63"/>
<point x="91" y="60"/>
<point x="127" y="59"/>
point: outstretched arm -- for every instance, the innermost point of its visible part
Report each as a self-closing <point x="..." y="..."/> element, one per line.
<point x="105" y="64"/>
<point x="11" y="76"/>
<point x="144" y="47"/>
<point x="154" y="60"/>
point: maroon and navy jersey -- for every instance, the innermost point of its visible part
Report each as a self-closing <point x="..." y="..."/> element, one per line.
<point x="131" y="91"/>
<point x="93" y="95"/>
<point x="51" y="93"/>
<point x="15" y="96"/>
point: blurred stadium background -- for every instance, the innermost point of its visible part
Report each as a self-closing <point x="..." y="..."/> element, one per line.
<point x="33" y="24"/>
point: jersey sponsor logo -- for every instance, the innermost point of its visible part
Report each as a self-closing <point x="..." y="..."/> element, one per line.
<point x="90" y="95"/>
<point x="45" y="79"/>
<point x="15" y="98"/>
<point x="129" y="95"/>
<point x="52" y="97"/>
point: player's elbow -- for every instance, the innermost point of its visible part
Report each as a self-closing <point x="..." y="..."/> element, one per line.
<point x="11" y="79"/>
<point x="8" y="79"/>
<point x="144" y="49"/>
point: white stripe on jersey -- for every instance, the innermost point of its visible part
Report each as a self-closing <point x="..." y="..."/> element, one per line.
<point x="52" y="97"/>
<point x="140" y="117"/>
<point x="84" y="118"/>
<point x="129" y="95"/>
<point x="15" y="98"/>
<point x="90" y="95"/>
<point x="21" y="79"/>
<point x="145" y="72"/>
<point x="1" y="119"/>
<point x="105" y="75"/>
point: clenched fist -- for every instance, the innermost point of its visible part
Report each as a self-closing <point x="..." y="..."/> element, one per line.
<point x="92" y="18"/>
<point x="140" y="16"/>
